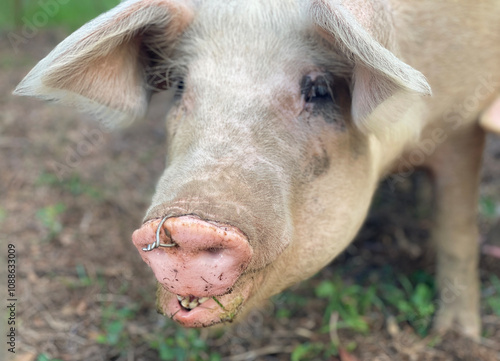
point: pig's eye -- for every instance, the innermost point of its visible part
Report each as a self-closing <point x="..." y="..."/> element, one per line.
<point x="327" y="97"/>
<point x="179" y="87"/>
<point x="316" y="90"/>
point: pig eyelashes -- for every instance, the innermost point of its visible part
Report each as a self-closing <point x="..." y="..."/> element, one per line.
<point x="317" y="89"/>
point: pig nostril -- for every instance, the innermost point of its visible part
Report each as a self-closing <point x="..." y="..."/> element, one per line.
<point x="213" y="250"/>
<point x="213" y="253"/>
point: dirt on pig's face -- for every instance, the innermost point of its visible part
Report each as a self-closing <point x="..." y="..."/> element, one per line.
<point x="261" y="144"/>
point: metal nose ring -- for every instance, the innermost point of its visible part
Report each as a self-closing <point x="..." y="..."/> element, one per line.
<point x="157" y="243"/>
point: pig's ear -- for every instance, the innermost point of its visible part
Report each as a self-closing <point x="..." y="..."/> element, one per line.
<point x="110" y="66"/>
<point x="379" y="76"/>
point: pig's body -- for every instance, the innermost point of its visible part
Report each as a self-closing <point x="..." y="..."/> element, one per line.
<point x="458" y="50"/>
<point x="290" y="114"/>
<point x="456" y="46"/>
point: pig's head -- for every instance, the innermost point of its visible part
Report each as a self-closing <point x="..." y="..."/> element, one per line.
<point x="274" y="139"/>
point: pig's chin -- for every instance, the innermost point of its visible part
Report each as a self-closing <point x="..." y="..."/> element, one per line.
<point x="192" y="311"/>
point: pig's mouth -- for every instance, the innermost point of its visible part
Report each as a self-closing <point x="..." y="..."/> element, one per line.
<point x="191" y="302"/>
<point x="192" y="311"/>
<point x="200" y="267"/>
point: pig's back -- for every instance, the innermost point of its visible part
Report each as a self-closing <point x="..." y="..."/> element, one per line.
<point x="456" y="45"/>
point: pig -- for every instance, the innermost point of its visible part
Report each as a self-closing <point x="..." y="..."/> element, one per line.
<point x="285" y="117"/>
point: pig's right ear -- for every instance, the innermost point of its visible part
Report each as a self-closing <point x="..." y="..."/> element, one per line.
<point x="110" y="66"/>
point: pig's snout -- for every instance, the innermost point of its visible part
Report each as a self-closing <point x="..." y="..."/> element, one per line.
<point x="206" y="260"/>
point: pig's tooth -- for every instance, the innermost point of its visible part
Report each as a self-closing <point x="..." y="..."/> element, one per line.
<point x="193" y="304"/>
<point x="180" y="298"/>
<point x="203" y="299"/>
<point x="185" y="303"/>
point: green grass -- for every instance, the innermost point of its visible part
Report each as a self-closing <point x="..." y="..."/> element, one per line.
<point x="351" y="302"/>
<point x="44" y="357"/>
<point x="311" y="351"/>
<point x="411" y="300"/>
<point x="70" y="15"/>
<point x="73" y="184"/>
<point x="184" y="345"/>
<point x="170" y="341"/>
<point x="488" y="208"/>
<point x="50" y="217"/>
<point x="493" y="296"/>
<point x="114" y="321"/>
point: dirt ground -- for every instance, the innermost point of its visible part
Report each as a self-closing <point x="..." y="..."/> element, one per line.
<point x="72" y="194"/>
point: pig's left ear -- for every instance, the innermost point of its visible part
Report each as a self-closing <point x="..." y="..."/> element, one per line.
<point x="378" y="74"/>
<point x="110" y="66"/>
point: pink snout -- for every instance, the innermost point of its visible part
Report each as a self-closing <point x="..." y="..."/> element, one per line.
<point x="206" y="260"/>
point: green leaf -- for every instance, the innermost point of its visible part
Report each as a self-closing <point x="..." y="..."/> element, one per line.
<point x="494" y="304"/>
<point x="215" y="357"/>
<point x="102" y="339"/>
<point x="487" y="207"/>
<point x="114" y="329"/>
<point x="325" y="289"/>
<point x="300" y="352"/>
<point x="165" y="352"/>
<point x="43" y="357"/>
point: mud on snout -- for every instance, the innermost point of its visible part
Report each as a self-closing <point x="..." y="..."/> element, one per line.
<point x="199" y="266"/>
